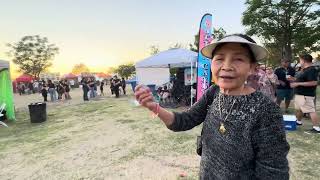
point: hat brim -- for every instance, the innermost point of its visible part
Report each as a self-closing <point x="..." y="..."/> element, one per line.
<point x="258" y="51"/>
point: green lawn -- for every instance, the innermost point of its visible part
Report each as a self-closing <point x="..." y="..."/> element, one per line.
<point x="112" y="138"/>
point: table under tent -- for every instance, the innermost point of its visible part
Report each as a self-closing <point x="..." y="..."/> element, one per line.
<point x="6" y="92"/>
<point x="154" y="71"/>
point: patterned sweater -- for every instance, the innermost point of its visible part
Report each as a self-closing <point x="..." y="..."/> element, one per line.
<point x="254" y="145"/>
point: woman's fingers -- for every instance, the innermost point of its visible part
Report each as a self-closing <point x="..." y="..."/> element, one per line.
<point x="138" y="87"/>
<point x="144" y="95"/>
<point x="145" y="100"/>
<point x="141" y="91"/>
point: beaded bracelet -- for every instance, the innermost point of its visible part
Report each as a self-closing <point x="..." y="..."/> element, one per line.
<point x="155" y="114"/>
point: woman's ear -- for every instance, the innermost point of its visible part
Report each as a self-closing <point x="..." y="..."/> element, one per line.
<point x="253" y="67"/>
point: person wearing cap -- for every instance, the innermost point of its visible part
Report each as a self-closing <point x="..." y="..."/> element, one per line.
<point x="243" y="136"/>
<point x="284" y="91"/>
<point x="305" y="86"/>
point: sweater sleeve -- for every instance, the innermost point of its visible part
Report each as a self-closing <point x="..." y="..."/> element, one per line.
<point x="195" y="115"/>
<point x="270" y="144"/>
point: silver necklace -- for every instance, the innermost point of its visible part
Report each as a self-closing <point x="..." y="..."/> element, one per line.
<point x="222" y="128"/>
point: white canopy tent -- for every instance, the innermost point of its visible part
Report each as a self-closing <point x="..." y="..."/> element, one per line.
<point x="155" y="69"/>
<point x="4" y="64"/>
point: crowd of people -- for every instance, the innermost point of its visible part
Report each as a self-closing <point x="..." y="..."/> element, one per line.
<point x="29" y="87"/>
<point x="116" y="85"/>
<point x="57" y="91"/>
<point x="90" y="87"/>
<point x="286" y="83"/>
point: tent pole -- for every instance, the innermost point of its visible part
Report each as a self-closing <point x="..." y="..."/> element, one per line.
<point x="191" y="82"/>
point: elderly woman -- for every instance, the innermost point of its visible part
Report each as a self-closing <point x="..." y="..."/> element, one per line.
<point x="271" y="82"/>
<point x="243" y="135"/>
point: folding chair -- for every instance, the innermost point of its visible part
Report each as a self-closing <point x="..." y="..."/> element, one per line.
<point x="3" y="105"/>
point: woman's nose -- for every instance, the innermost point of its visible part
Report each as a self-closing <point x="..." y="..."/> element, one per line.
<point x="227" y="65"/>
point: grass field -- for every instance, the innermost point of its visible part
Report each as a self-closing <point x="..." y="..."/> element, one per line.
<point x="113" y="139"/>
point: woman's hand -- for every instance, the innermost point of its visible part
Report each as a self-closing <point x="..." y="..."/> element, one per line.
<point x="144" y="96"/>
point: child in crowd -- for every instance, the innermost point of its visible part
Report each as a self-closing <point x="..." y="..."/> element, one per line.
<point x="44" y="93"/>
<point x="101" y="88"/>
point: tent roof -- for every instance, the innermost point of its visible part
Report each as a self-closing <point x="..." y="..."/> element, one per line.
<point x="103" y="75"/>
<point x="174" y="57"/>
<point x="24" y="78"/>
<point x="4" y="64"/>
<point x="69" y="76"/>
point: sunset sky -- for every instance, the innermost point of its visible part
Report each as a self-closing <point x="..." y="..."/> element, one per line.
<point x="107" y="33"/>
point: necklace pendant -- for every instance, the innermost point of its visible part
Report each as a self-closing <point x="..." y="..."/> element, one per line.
<point x="222" y="129"/>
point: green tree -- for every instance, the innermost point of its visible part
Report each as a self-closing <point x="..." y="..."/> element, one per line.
<point x="126" y="70"/>
<point x="274" y="55"/>
<point x="33" y="54"/>
<point x="217" y="34"/>
<point x="288" y="26"/>
<point x="80" y="68"/>
<point x="154" y="49"/>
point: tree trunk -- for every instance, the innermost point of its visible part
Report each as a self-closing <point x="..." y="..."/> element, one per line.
<point x="287" y="52"/>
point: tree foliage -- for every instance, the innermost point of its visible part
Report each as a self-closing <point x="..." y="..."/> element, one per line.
<point x="33" y="54"/>
<point x="217" y="34"/>
<point x="154" y="49"/>
<point x="288" y="26"/>
<point x="176" y="45"/>
<point x="80" y="68"/>
<point x="126" y="70"/>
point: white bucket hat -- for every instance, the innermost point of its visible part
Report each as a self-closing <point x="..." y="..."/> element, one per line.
<point x="259" y="52"/>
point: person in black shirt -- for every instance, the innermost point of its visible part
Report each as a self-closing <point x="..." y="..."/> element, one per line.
<point x="67" y="89"/>
<point x="60" y="90"/>
<point x="52" y="91"/>
<point x="91" y="84"/>
<point x="123" y="85"/>
<point x="30" y="86"/>
<point x="117" y="84"/>
<point x="305" y="91"/>
<point x="101" y="88"/>
<point x="85" y="88"/>
<point x="112" y="86"/>
<point x="284" y="91"/>
<point x="44" y="93"/>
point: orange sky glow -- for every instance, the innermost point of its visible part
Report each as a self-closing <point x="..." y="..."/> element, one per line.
<point x="103" y="34"/>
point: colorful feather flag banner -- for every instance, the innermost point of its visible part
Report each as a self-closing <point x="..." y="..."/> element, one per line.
<point x="204" y="64"/>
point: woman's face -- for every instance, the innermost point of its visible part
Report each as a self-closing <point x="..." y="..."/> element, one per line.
<point x="269" y="70"/>
<point x="231" y="66"/>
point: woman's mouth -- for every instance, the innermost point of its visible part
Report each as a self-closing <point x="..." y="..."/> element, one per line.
<point x="227" y="77"/>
